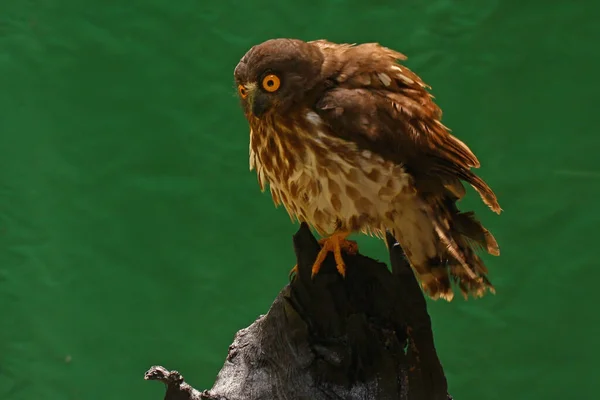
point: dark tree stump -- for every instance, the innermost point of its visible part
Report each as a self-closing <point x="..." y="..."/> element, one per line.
<point x="366" y="336"/>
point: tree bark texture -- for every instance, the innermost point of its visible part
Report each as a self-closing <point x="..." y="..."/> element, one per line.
<point x="365" y="336"/>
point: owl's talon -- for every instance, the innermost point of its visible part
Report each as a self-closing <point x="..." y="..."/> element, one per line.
<point x="341" y="269"/>
<point x="335" y="243"/>
<point x="293" y="272"/>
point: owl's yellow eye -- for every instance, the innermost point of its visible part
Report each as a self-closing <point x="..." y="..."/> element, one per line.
<point x="242" y="91"/>
<point x="271" y="83"/>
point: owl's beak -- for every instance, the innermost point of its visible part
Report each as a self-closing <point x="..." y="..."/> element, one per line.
<point x="259" y="102"/>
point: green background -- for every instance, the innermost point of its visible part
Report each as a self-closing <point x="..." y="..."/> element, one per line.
<point x="133" y="234"/>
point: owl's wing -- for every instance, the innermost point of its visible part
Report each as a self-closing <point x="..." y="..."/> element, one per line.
<point x="385" y="108"/>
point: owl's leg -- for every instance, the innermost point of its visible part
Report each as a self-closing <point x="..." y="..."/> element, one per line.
<point x="335" y="243"/>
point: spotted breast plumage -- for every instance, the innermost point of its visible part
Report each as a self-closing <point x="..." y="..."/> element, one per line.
<point x="348" y="139"/>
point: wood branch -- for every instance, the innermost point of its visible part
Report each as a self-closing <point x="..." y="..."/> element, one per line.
<point x="365" y="336"/>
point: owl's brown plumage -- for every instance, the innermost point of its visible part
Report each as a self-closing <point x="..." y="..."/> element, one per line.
<point x="350" y="140"/>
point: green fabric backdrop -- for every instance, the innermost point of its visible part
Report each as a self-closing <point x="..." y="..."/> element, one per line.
<point x="132" y="232"/>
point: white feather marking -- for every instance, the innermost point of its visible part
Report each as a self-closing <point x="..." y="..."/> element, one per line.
<point x="385" y="79"/>
<point x="252" y="160"/>
<point x="252" y="155"/>
<point x="260" y="174"/>
<point x="406" y="79"/>
<point x="314" y="118"/>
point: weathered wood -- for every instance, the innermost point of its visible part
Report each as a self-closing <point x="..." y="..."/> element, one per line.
<point x="365" y="336"/>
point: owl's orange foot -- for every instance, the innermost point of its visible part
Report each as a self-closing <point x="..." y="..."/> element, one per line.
<point x="293" y="272"/>
<point x="335" y="243"/>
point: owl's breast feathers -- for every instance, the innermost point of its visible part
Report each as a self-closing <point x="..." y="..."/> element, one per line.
<point x="322" y="179"/>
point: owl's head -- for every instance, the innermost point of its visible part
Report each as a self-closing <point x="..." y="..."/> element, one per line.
<point x="277" y="74"/>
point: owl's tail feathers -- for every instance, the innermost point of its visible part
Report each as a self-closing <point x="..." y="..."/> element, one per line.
<point x="462" y="235"/>
<point x="452" y="259"/>
<point x="470" y="229"/>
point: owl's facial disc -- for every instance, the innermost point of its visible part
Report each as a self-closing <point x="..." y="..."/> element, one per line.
<point x="282" y="71"/>
<point x="261" y="97"/>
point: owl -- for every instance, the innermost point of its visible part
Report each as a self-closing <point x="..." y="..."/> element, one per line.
<point x="349" y="140"/>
